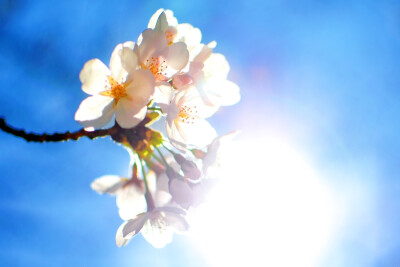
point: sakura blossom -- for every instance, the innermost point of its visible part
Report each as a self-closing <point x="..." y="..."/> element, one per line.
<point x="167" y="76"/>
<point x="114" y="91"/>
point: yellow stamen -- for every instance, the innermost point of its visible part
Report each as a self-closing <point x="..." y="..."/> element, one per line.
<point x="157" y="66"/>
<point x="117" y="90"/>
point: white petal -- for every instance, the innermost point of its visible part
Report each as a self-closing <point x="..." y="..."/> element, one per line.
<point x="220" y="93"/>
<point x="204" y="54"/>
<point x="194" y="99"/>
<point x="94" y="77"/>
<point x="141" y="87"/>
<point x="108" y="184"/>
<point x="162" y="23"/>
<point x="95" y="111"/>
<point x="163" y="93"/>
<point x="176" y="221"/>
<point x="181" y="193"/>
<point x="129" y="59"/>
<point x="190" y="36"/>
<point x="130" y="202"/>
<point x="216" y="66"/>
<point x="127" y="114"/>
<point x="198" y="133"/>
<point x="154" y="18"/>
<point x="154" y="44"/>
<point x="117" y="71"/>
<point x="175" y="137"/>
<point x="156" y="231"/>
<point x="177" y="56"/>
<point x="119" y="239"/>
<point x="133" y="226"/>
<point x="129" y="44"/>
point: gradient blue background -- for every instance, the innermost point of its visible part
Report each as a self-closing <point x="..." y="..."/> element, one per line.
<point x="325" y="72"/>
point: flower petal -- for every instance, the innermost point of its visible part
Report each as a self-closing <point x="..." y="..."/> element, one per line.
<point x="130" y="202"/>
<point x="163" y="93"/>
<point x="156" y="231"/>
<point x="94" y="77"/>
<point x="177" y="56"/>
<point x="127" y="113"/>
<point x="141" y="87"/>
<point x="108" y="184"/>
<point x="198" y="133"/>
<point x="153" y="43"/>
<point x="176" y="221"/>
<point x="220" y="93"/>
<point x="119" y="239"/>
<point x="95" y="111"/>
<point x="133" y="226"/>
<point x="181" y="193"/>
<point x="129" y="59"/>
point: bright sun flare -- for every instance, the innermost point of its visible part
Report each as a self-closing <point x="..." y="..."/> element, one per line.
<point x="272" y="209"/>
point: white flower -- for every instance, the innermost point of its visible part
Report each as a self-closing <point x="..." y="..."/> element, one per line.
<point x="185" y="122"/>
<point x="157" y="226"/>
<point x="156" y="54"/>
<point x="129" y="194"/>
<point x="121" y="90"/>
<point x="175" y="32"/>
<point x="208" y="72"/>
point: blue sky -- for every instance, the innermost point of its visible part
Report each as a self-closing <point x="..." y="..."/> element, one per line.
<point x="322" y="74"/>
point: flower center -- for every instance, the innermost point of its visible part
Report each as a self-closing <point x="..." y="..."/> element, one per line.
<point x="157" y="66"/>
<point x="117" y="90"/>
<point x="187" y="114"/>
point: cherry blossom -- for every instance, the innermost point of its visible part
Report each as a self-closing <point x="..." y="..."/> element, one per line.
<point x="185" y="122"/>
<point x="120" y="91"/>
<point x="129" y="194"/>
<point x="157" y="226"/>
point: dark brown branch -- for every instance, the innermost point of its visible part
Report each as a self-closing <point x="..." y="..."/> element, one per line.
<point x="56" y="137"/>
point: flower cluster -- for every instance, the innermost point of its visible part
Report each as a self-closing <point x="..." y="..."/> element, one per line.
<point x="168" y="73"/>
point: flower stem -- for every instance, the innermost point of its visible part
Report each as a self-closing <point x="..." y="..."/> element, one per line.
<point x="162" y="156"/>
<point x="147" y="194"/>
<point x="56" y="137"/>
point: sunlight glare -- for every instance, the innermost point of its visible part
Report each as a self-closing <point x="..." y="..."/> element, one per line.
<point x="271" y="209"/>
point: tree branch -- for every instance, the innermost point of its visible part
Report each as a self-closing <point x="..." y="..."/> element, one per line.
<point x="56" y="137"/>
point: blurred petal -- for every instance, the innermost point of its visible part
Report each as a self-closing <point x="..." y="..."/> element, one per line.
<point x="219" y="93"/>
<point x="176" y="221"/>
<point x="181" y="193"/>
<point x="107" y="184"/>
<point x="119" y="239"/>
<point x="133" y="226"/>
<point x="130" y="202"/>
<point x="94" y="77"/>
<point x="156" y="232"/>
<point x="216" y="66"/>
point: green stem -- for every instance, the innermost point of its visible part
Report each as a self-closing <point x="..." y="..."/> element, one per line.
<point x="162" y="156"/>
<point x="147" y="194"/>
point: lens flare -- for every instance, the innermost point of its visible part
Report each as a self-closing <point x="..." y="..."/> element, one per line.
<point x="271" y="209"/>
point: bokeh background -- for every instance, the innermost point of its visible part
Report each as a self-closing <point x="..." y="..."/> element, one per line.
<point x="322" y="75"/>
